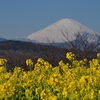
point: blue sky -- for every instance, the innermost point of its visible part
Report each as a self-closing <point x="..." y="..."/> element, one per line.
<point x="19" y="18"/>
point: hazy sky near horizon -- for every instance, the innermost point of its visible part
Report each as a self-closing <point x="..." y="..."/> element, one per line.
<point x="20" y="18"/>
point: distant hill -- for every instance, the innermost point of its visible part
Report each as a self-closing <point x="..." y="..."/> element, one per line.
<point x="16" y="52"/>
<point x="3" y="39"/>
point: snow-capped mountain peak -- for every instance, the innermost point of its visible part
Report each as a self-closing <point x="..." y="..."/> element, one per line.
<point x="58" y="31"/>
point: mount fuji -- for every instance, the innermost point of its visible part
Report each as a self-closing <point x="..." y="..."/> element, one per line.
<point x="58" y="31"/>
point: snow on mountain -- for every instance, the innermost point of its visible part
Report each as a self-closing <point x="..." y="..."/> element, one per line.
<point x="55" y="32"/>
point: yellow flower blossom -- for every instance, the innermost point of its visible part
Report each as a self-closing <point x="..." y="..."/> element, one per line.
<point x="64" y="92"/>
<point x="28" y="92"/>
<point x="98" y="55"/>
<point x="29" y="62"/>
<point x="70" y="56"/>
<point x="2" y="62"/>
<point x="38" y="90"/>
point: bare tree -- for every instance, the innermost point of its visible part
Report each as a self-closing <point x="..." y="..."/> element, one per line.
<point x="84" y="45"/>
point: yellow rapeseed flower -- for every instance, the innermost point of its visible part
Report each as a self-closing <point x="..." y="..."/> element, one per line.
<point x="29" y="62"/>
<point x="28" y="92"/>
<point x="38" y="90"/>
<point x="98" y="55"/>
<point x="70" y="56"/>
<point x="3" y="62"/>
<point x="64" y="92"/>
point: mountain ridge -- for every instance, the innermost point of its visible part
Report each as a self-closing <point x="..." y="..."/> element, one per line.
<point x="2" y="39"/>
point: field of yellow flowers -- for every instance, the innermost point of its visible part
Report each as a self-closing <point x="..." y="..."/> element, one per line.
<point x="78" y="80"/>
